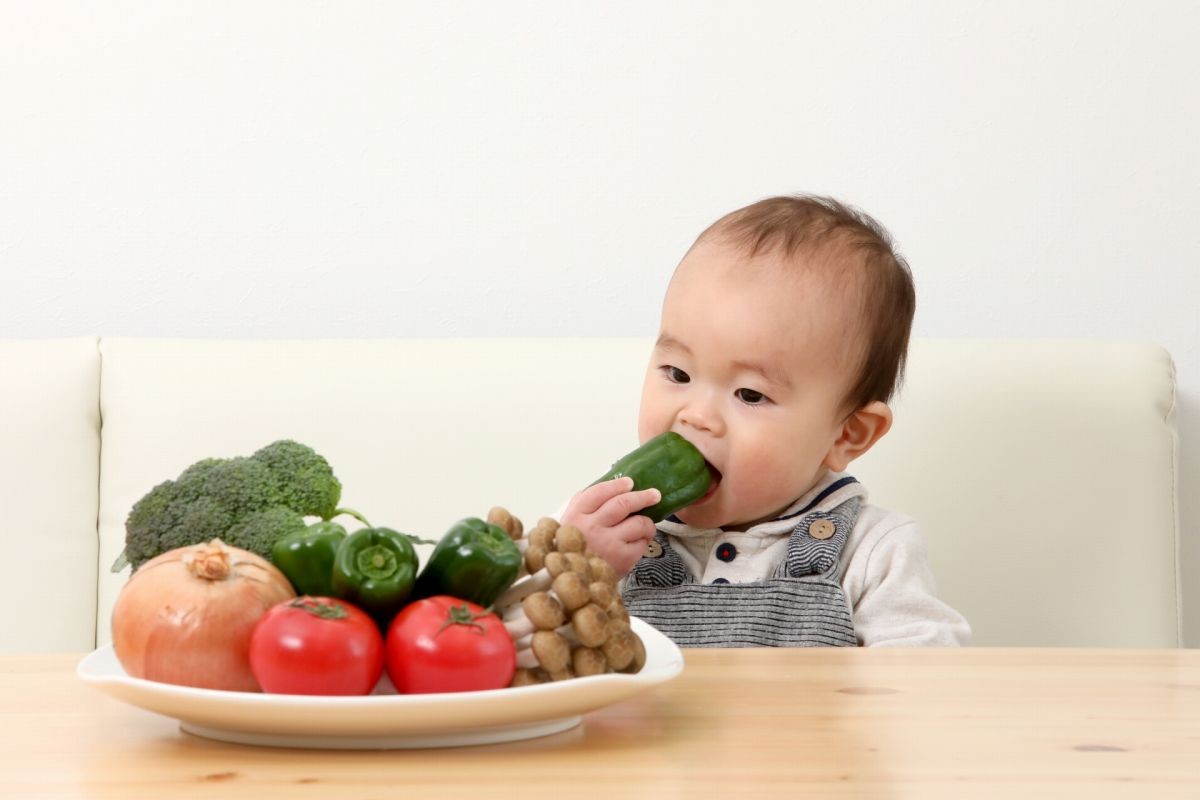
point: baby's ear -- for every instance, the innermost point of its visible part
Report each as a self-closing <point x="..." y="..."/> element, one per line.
<point x="860" y="431"/>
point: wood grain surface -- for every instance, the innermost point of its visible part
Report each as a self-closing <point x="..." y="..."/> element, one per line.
<point x="1025" y="723"/>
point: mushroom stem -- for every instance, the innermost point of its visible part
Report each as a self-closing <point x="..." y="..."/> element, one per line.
<point x="526" y="659"/>
<point x="520" y="626"/>
<point x="524" y="587"/>
<point x="568" y="632"/>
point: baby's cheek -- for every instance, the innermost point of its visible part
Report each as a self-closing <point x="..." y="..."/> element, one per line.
<point x="761" y="484"/>
<point x="752" y="472"/>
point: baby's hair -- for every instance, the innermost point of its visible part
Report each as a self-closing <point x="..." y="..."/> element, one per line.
<point x="846" y="239"/>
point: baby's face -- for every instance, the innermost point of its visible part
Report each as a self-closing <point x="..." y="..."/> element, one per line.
<point x="750" y="366"/>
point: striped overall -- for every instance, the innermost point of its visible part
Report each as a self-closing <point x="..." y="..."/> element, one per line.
<point x="801" y="605"/>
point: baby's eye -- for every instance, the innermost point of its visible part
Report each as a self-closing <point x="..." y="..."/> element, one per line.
<point x="675" y="374"/>
<point x="751" y="397"/>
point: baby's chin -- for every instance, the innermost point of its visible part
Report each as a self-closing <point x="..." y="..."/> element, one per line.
<point x="704" y="516"/>
<point x="709" y="515"/>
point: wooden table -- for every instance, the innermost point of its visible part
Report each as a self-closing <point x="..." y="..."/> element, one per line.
<point x="737" y="724"/>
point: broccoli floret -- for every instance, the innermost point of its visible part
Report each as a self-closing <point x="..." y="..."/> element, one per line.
<point x="304" y="480"/>
<point x="259" y="530"/>
<point x="240" y="485"/>
<point x="149" y="517"/>
<point x="247" y="502"/>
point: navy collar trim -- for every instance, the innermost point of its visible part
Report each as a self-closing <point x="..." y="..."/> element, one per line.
<point x="828" y="490"/>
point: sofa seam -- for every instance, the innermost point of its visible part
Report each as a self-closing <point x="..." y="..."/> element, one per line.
<point x="1169" y="420"/>
<point x="99" y="483"/>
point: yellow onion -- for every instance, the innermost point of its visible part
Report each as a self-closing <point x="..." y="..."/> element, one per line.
<point x="186" y="616"/>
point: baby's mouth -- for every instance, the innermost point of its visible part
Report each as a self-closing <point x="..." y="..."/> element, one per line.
<point x="714" y="481"/>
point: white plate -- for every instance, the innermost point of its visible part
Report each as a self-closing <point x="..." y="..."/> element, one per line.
<point x="385" y="719"/>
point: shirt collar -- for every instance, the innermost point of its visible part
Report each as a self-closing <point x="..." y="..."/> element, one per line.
<point x="830" y="491"/>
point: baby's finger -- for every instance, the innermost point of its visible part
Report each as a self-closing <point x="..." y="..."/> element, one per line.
<point x="621" y="506"/>
<point x="590" y="500"/>
<point x="645" y="498"/>
<point x="634" y="529"/>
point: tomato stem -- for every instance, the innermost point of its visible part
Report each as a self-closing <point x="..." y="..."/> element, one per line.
<point x="462" y="615"/>
<point x="318" y="609"/>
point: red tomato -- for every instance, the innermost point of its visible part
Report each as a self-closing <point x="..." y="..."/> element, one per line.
<point x="316" y="645"/>
<point x="443" y="644"/>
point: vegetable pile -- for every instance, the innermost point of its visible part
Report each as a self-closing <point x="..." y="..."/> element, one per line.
<point x="243" y="582"/>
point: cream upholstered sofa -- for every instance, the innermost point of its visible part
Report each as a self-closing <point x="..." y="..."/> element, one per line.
<point x="1043" y="472"/>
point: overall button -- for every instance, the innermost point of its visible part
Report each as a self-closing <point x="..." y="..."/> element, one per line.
<point x="822" y="529"/>
<point x="726" y="552"/>
<point x="720" y="580"/>
<point x="653" y="549"/>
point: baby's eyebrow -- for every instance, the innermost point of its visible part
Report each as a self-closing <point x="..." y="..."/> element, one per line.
<point x="668" y="342"/>
<point x="768" y="374"/>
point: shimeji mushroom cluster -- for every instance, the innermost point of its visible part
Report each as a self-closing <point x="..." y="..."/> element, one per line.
<point x="564" y="611"/>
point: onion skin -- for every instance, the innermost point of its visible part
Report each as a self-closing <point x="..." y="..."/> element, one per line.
<point x="186" y="616"/>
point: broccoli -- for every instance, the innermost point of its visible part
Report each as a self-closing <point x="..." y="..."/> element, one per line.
<point x="247" y="502"/>
<point x="303" y="480"/>
<point x="259" y="530"/>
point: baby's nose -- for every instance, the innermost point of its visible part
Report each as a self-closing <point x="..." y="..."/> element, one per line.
<point x="701" y="416"/>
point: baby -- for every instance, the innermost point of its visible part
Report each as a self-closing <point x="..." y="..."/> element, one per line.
<point x="783" y="336"/>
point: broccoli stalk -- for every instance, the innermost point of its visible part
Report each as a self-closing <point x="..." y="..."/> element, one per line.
<point x="247" y="502"/>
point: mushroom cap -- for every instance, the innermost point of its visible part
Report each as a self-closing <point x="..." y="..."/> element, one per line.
<point x="544" y="611"/>
<point x="616" y="610"/>
<point x="602" y="570"/>
<point x="535" y="558"/>
<point x="591" y="625"/>
<point x="619" y="649"/>
<point x="529" y="677"/>
<point x="569" y="539"/>
<point x="588" y="661"/>
<point x="557" y="563"/>
<point x="601" y="593"/>
<point x="571" y="590"/>
<point x="580" y="564"/>
<point x="639" y="656"/>
<point x="543" y="537"/>
<point x="501" y="518"/>
<point x="551" y="650"/>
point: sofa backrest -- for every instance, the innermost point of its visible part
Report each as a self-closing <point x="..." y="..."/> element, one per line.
<point x="1043" y="475"/>
<point x="1042" y="472"/>
<point x="49" y="484"/>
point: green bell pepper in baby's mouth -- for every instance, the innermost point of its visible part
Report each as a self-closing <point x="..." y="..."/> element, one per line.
<point x="374" y="568"/>
<point x="474" y="561"/>
<point x="306" y="557"/>
<point x="671" y="464"/>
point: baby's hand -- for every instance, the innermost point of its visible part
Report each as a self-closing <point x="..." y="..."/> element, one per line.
<point x="604" y="512"/>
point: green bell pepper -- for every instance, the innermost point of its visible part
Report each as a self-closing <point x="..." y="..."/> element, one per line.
<point x="669" y="463"/>
<point x="474" y="561"/>
<point x="374" y="569"/>
<point x="306" y="557"/>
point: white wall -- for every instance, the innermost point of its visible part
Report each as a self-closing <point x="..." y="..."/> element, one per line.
<point x="288" y="169"/>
